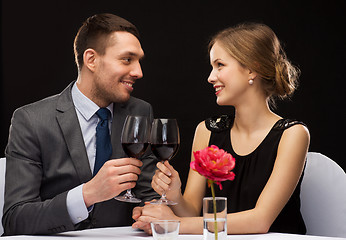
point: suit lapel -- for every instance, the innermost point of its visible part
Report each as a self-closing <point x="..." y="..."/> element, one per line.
<point x="68" y="121"/>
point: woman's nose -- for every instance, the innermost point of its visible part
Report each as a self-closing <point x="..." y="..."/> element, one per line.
<point x="212" y="77"/>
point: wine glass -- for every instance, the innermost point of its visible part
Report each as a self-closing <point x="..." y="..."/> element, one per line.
<point x="135" y="141"/>
<point x="164" y="140"/>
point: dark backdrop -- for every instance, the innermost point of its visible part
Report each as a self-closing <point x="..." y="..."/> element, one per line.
<point x="37" y="58"/>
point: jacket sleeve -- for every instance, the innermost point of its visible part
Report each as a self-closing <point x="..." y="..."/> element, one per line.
<point x="25" y="212"/>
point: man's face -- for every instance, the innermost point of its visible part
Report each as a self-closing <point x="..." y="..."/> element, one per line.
<point x="117" y="70"/>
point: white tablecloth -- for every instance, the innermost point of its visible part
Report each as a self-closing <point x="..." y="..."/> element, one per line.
<point x="127" y="233"/>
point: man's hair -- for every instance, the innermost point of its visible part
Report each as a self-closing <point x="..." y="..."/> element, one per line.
<point x="95" y="33"/>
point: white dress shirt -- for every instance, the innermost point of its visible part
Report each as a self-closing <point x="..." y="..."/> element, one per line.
<point x="88" y="120"/>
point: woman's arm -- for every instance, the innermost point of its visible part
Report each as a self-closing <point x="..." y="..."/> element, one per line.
<point x="167" y="180"/>
<point x="191" y="202"/>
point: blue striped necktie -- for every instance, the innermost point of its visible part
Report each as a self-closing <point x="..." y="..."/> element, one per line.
<point x="103" y="140"/>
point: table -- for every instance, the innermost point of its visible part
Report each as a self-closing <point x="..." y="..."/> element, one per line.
<point x="128" y="233"/>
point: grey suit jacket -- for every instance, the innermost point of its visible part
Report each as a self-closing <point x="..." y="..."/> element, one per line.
<point x="46" y="157"/>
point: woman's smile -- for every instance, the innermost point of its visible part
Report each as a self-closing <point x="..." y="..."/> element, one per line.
<point x="218" y="89"/>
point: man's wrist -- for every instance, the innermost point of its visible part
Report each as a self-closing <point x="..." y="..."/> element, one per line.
<point x="87" y="196"/>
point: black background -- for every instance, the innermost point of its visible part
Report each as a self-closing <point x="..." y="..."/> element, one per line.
<point x="37" y="58"/>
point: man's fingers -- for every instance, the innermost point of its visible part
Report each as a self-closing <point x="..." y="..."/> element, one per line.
<point x="126" y="169"/>
<point x="125" y="161"/>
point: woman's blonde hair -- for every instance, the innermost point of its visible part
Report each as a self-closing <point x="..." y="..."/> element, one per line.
<point x="256" y="47"/>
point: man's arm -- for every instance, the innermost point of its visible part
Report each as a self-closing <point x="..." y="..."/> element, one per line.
<point x="25" y="211"/>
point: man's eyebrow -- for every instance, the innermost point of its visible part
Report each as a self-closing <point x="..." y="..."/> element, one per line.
<point x="133" y="54"/>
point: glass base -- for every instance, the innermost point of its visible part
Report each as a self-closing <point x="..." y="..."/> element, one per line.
<point x="163" y="201"/>
<point x="126" y="198"/>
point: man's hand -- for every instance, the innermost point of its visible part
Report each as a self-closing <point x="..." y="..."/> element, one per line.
<point x="115" y="176"/>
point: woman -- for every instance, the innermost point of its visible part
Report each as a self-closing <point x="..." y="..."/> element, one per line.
<point x="249" y="71"/>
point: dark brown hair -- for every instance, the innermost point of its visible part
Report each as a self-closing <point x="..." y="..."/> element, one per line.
<point x="256" y="47"/>
<point x="95" y="32"/>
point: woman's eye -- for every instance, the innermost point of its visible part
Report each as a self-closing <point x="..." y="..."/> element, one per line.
<point x="219" y="65"/>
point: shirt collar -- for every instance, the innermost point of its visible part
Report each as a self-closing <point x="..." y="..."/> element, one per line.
<point x="84" y="105"/>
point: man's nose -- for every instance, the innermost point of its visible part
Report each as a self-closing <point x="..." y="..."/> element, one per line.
<point x="137" y="71"/>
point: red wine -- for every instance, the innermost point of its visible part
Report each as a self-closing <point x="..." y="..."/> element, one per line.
<point x="135" y="150"/>
<point x="165" y="151"/>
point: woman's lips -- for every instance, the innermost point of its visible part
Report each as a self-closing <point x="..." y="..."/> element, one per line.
<point x="218" y="89"/>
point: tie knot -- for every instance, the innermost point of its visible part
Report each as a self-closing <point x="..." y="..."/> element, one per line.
<point x="103" y="113"/>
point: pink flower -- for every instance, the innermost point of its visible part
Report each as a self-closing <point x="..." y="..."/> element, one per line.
<point x="215" y="164"/>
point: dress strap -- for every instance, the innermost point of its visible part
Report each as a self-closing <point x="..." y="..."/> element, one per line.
<point x="283" y="124"/>
<point x="225" y="122"/>
<point x="219" y="123"/>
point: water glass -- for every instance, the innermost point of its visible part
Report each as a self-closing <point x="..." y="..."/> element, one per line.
<point x="165" y="229"/>
<point x="215" y="218"/>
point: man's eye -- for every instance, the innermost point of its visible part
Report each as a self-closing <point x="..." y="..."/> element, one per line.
<point x="127" y="60"/>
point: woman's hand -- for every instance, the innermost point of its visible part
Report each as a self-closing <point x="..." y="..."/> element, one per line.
<point x="145" y="226"/>
<point x="167" y="180"/>
<point x="151" y="212"/>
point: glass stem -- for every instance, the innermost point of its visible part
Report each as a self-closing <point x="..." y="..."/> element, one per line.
<point x="129" y="193"/>
<point x="163" y="196"/>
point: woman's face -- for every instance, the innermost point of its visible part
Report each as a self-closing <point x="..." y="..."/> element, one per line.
<point x="229" y="78"/>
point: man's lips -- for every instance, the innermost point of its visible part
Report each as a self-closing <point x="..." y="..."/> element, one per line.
<point x="128" y="85"/>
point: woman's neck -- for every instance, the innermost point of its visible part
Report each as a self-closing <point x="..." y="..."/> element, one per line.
<point x="251" y="117"/>
<point x="252" y="124"/>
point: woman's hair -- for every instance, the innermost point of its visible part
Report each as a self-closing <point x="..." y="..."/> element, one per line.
<point x="256" y="47"/>
<point x="95" y="33"/>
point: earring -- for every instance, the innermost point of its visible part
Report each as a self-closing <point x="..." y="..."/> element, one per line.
<point x="251" y="81"/>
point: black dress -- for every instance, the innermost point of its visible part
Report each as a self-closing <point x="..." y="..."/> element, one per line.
<point x="252" y="173"/>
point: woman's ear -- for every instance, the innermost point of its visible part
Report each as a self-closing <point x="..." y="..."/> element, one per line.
<point x="89" y="59"/>
<point x="252" y="74"/>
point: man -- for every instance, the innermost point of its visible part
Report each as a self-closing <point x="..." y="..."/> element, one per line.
<point x="51" y="183"/>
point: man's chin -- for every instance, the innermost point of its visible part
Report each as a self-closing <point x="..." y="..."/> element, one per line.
<point x="123" y="99"/>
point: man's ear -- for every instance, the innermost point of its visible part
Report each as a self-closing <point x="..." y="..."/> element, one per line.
<point x="89" y="58"/>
